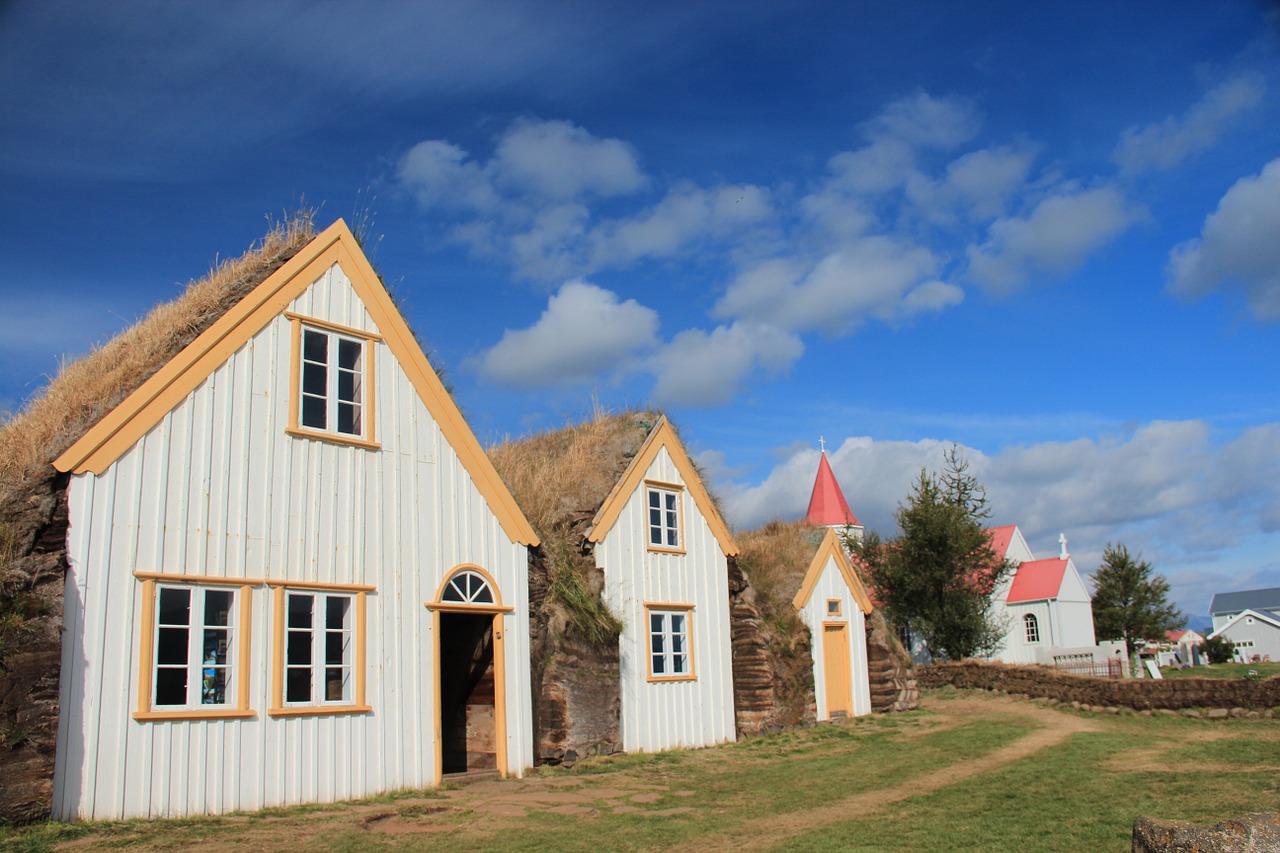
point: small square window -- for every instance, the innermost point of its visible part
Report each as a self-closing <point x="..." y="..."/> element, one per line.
<point x="833" y="607"/>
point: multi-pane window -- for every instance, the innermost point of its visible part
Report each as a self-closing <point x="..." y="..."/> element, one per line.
<point x="1032" y="624"/>
<point x="669" y="644"/>
<point x="664" y="518"/>
<point x="467" y="587"/>
<point x="332" y="382"/>
<point x="318" y="648"/>
<point x="193" y="647"/>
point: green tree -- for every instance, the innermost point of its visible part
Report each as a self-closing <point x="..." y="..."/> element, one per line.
<point x="1218" y="649"/>
<point x="937" y="577"/>
<point x="1130" y="601"/>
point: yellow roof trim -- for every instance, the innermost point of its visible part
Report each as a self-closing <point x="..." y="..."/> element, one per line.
<point x="128" y="422"/>
<point x="829" y="549"/>
<point x="663" y="435"/>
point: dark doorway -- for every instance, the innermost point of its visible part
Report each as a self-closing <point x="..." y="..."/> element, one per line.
<point x="468" y="722"/>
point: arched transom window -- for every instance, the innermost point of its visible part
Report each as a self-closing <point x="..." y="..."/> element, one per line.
<point x="1033" y="627"/>
<point x="467" y="587"/>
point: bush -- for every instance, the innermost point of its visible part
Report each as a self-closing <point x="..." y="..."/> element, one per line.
<point x="1218" y="649"/>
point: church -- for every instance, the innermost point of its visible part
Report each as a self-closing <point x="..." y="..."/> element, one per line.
<point x="1044" y="603"/>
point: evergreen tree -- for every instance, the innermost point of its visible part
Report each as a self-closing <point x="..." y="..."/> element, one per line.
<point x="938" y="576"/>
<point x="1130" y="601"/>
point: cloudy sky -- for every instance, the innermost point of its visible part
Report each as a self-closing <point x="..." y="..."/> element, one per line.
<point x="1047" y="232"/>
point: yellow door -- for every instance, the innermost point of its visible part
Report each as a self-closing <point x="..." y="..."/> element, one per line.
<point x="835" y="663"/>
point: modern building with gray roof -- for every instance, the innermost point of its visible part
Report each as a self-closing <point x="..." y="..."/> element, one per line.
<point x="1227" y="605"/>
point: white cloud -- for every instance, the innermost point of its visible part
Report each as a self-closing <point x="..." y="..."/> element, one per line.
<point x="896" y="136"/>
<point x="1165" y="144"/>
<point x="558" y="160"/>
<point x="1168" y="490"/>
<point x="873" y="276"/>
<point x="1238" y="247"/>
<point x="686" y="215"/>
<point x="979" y="184"/>
<point x="534" y="201"/>
<point x="700" y="368"/>
<point x="585" y="331"/>
<point x="440" y="174"/>
<point x="1055" y="237"/>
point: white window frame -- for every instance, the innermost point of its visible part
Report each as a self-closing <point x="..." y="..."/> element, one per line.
<point x="668" y="523"/>
<point x="195" y="663"/>
<point x="1031" y="625"/>
<point x="293" y="636"/>
<point x="235" y="664"/>
<point x="361" y="395"/>
<point x="314" y="639"/>
<point x="673" y="628"/>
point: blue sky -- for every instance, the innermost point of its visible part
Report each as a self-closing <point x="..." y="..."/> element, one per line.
<point x="1047" y="232"/>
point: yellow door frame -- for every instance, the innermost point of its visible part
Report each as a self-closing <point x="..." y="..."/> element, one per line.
<point x="497" y="610"/>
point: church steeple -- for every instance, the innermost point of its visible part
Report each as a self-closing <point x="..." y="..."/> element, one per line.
<point x="827" y="506"/>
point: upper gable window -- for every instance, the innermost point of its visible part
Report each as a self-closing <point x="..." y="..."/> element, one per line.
<point x="332" y="382"/>
<point x="664" y="517"/>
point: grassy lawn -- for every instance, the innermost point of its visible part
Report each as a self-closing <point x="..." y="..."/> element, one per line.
<point x="1223" y="670"/>
<point x="968" y="772"/>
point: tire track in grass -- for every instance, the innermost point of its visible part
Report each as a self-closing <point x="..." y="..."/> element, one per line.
<point x="1054" y="728"/>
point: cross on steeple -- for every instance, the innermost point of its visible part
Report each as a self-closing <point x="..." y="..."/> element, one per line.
<point x="822" y="442"/>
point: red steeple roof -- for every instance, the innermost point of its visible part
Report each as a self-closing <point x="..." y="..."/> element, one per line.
<point x="827" y="506"/>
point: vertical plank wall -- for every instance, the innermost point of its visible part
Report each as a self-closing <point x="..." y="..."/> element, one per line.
<point x="831" y="585"/>
<point x="665" y="715"/>
<point x="217" y="488"/>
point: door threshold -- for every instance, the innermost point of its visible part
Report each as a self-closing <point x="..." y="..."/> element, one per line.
<point x="468" y="776"/>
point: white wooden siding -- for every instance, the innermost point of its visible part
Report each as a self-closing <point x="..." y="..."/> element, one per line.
<point x="831" y="585"/>
<point x="669" y="714"/>
<point x="217" y="488"/>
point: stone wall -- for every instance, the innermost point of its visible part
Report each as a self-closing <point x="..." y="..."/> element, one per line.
<point x="772" y="668"/>
<point x="579" y="704"/>
<point x="1137" y="694"/>
<point x="889" y="669"/>
<point x="33" y="563"/>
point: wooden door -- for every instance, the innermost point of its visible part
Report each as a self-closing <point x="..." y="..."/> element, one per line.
<point x="837" y="675"/>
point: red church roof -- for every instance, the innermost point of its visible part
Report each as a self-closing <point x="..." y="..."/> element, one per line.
<point x="1000" y="539"/>
<point x="1037" y="580"/>
<point x="827" y="505"/>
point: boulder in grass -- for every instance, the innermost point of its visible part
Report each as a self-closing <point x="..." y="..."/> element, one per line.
<point x="1253" y="833"/>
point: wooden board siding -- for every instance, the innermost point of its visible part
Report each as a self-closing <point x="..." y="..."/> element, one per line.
<point x="669" y="714"/>
<point x="218" y="489"/>
<point x="831" y="585"/>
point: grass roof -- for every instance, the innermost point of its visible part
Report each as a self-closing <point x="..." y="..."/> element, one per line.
<point x="86" y="389"/>
<point x="560" y="478"/>
<point x="775" y="558"/>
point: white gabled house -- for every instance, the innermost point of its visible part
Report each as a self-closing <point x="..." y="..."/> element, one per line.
<point x="1255" y="633"/>
<point x="664" y="550"/>
<point x="834" y="605"/>
<point x="294" y="576"/>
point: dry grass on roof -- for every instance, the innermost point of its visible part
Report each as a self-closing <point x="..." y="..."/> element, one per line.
<point x="775" y="558"/>
<point x="561" y="478"/>
<point x="86" y="389"/>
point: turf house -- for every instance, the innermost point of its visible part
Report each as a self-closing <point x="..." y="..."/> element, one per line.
<point x="291" y="572"/>
<point x="642" y="633"/>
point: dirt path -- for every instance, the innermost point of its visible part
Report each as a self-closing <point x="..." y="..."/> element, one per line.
<point x="1055" y="727"/>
